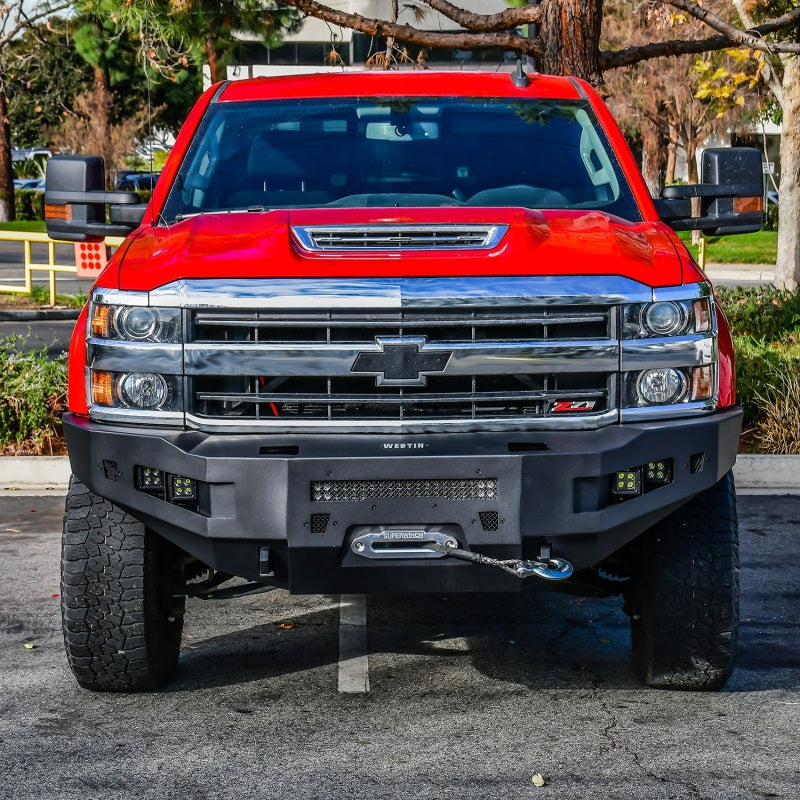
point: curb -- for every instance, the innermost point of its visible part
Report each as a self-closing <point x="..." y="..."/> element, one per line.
<point x="35" y="475"/>
<point x="39" y="314"/>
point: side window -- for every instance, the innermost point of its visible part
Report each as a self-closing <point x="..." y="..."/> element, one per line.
<point x="596" y="161"/>
<point x="202" y="167"/>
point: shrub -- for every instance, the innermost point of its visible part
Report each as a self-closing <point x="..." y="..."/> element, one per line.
<point x="761" y="312"/>
<point x="765" y="323"/>
<point x="778" y="429"/>
<point x="29" y="204"/>
<point x="32" y="397"/>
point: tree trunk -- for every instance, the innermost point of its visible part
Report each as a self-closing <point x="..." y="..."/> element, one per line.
<point x="6" y="170"/>
<point x="653" y="157"/>
<point x="212" y="58"/>
<point x="672" y="154"/>
<point x="571" y="39"/>
<point x="102" y="120"/>
<point x="787" y="270"/>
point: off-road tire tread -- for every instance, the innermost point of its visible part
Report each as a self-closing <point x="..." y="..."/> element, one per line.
<point x="118" y="633"/>
<point x="688" y="595"/>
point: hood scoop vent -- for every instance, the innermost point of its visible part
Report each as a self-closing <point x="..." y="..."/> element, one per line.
<point x="398" y="237"/>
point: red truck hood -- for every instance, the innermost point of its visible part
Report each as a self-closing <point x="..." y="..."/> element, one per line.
<point x="261" y="245"/>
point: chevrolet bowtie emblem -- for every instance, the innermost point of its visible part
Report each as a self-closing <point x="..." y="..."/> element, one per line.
<point x="401" y="361"/>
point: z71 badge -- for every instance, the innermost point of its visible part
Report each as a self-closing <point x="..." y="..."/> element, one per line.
<point x="572" y="405"/>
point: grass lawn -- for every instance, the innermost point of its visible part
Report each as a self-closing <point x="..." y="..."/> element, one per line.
<point x="36" y="226"/>
<point x="746" y="248"/>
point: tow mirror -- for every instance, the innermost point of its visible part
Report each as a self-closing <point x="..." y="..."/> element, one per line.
<point x="731" y="194"/>
<point x="75" y="201"/>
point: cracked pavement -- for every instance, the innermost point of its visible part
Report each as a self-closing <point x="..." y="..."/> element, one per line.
<point x="470" y="696"/>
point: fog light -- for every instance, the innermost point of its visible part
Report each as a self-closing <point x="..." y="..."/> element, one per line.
<point x="180" y="488"/>
<point x="628" y="482"/>
<point x="661" y="386"/>
<point x="149" y="479"/>
<point x="658" y="473"/>
<point x="143" y="390"/>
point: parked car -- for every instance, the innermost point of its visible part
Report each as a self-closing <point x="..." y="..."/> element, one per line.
<point x="137" y="181"/>
<point x="29" y="183"/>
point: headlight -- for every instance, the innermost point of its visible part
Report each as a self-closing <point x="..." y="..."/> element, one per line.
<point x="666" y="318"/>
<point x="668" y="386"/>
<point x="135" y="323"/>
<point x="145" y="391"/>
<point x="661" y="386"/>
<point x="139" y="323"/>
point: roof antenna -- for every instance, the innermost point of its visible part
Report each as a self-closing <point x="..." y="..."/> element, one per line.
<point x="518" y="77"/>
<point x="147" y="48"/>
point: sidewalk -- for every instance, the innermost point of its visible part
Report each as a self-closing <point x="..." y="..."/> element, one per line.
<point x="40" y="475"/>
<point x="741" y="273"/>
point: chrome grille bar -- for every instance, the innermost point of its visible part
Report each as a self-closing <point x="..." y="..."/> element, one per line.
<point x="324" y="359"/>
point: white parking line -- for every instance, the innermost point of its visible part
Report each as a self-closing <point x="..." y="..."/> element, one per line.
<point x="353" y="659"/>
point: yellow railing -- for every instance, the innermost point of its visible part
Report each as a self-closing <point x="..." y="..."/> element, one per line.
<point x="50" y="266"/>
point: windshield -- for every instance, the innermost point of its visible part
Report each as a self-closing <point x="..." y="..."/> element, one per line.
<point x="389" y="152"/>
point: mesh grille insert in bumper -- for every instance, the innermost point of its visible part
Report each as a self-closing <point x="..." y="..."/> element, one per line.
<point x="444" y="488"/>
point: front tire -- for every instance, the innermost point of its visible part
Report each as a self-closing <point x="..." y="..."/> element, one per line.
<point x="685" y="610"/>
<point x="122" y="625"/>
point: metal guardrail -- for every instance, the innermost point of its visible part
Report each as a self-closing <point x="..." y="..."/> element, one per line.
<point x="28" y="238"/>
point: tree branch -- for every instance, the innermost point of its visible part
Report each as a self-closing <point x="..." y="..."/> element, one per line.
<point x="733" y="33"/>
<point x="23" y="20"/>
<point x="680" y="47"/>
<point x="407" y="33"/>
<point x="502" y="21"/>
<point x="772" y="80"/>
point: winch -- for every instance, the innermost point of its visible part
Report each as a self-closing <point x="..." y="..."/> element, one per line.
<point x="426" y="543"/>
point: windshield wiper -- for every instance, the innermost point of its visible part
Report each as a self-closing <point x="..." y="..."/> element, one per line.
<point x="249" y="209"/>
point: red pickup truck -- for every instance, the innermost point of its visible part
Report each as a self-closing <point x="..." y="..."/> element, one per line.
<point x="401" y="332"/>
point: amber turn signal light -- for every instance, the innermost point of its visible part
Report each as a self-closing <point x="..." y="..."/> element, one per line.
<point x="102" y="388"/>
<point x="747" y="205"/>
<point x="101" y="316"/>
<point x="60" y="213"/>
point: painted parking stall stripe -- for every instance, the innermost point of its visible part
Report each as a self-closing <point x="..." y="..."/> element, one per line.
<point x="353" y="659"/>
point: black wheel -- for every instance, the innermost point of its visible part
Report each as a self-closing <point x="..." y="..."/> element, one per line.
<point x="122" y="626"/>
<point x="685" y="605"/>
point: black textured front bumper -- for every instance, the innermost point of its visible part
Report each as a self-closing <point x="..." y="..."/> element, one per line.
<point x="255" y="491"/>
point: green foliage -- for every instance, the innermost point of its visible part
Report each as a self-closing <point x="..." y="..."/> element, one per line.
<point x="48" y="72"/>
<point x="771" y="223"/>
<point x="778" y="428"/>
<point x="32" y="395"/>
<point x="29" y="204"/>
<point x="766" y="334"/>
<point x="43" y="74"/>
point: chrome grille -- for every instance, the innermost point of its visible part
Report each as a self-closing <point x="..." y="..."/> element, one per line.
<point x="399" y="237"/>
<point x="503" y="366"/>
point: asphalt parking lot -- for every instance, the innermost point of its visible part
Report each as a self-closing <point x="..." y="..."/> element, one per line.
<point x="468" y="697"/>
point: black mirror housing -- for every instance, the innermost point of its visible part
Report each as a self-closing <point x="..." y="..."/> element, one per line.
<point x="75" y="201"/>
<point x="731" y="194"/>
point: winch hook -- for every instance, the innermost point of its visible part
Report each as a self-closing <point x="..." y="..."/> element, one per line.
<point x="552" y="569"/>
